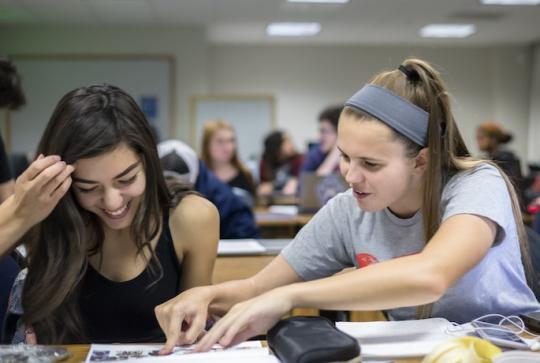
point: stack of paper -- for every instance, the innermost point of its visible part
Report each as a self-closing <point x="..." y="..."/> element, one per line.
<point x="240" y="247"/>
<point x="400" y="339"/>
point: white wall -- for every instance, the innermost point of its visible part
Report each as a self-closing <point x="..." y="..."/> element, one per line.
<point x="46" y="80"/>
<point x="487" y="83"/>
<point x="511" y="70"/>
<point x="534" y="114"/>
<point x="186" y="45"/>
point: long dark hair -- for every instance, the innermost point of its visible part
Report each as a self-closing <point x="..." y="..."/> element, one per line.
<point x="11" y="93"/>
<point x="272" y="153"/>
<point x="87" y="122"/>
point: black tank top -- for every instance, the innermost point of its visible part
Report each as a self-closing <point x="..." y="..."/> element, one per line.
<point x="123" y="312"/>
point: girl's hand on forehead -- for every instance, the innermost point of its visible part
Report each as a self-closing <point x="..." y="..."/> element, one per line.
<point x="39" y="188"/>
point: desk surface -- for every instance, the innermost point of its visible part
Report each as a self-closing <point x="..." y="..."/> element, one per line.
<point x="277" y="225"/>
<point x="235" y="267"/>
<point x="270" y="219"/>
<point x="79" y="352"/>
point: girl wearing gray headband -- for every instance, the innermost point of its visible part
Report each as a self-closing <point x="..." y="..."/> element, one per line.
<point x="430" y="231"/>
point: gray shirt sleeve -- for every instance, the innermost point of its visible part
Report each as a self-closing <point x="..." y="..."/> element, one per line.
<point x="319" y="249"/>
<point x="483" y="192"/>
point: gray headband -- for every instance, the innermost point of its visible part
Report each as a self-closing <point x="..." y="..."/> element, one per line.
<point x="398" y="113"/>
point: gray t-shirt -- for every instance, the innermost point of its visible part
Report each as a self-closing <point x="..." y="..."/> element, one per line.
<point x="342" y="235"/>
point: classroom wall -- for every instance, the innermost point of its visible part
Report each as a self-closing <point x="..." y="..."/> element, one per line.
<point x="487" y="83"/>
<point x="534" y="109"/>
<point x="187" y="45"/>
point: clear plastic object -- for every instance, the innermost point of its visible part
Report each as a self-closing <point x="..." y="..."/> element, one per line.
<point x="21" y="353"/>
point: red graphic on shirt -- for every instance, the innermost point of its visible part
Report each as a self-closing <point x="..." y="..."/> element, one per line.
<point x="365" y="259"/>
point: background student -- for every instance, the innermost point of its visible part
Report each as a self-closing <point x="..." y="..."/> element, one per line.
<point x="418" y="223"/>
<point x="120" y="242"/>
<point x="11" y="98"/>
<point x="323" y="159"/>
<point x="491" y="139"/>
<point x="180" y="161"/>
<point x="280" y="165"/>
<point x="219" y="151"/>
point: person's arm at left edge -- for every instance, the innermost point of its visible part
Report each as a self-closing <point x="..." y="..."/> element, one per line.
<point x="195" y="230"/>
<point x="6" y="189"/>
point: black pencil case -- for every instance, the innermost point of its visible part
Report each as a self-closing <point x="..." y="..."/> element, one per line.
<point x="311" y="339"/>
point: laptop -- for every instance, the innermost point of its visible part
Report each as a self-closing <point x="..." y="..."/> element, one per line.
<point x="316" y="190"/>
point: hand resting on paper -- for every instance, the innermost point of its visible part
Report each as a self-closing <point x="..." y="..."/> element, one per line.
<point x="247" y="319"/>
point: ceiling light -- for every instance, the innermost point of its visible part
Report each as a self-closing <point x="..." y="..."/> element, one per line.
<point x="293" y="29"/>
<point x="447" y="30"/>
<point x="319" y="1"/>
<point x="510" y="2"/>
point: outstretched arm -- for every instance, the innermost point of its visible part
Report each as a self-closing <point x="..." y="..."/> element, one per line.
<point x="459" y="244"/>
<point x="192" y="306"/>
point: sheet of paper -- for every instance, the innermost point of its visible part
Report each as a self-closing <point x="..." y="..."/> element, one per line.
<point x="239" y="247"/>
<point x="290" y="210"/>
<point x="401" y="339"/>
<point x="244" y="352"/>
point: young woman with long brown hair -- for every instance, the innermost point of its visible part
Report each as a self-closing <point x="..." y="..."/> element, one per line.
<point x="431" y="231"/>
<point x="120" y="241"/>
<point x="219" y="153"/>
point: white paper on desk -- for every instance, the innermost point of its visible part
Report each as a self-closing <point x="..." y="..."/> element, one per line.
<point x="243" y="352"/>
<point x="400" y="339"/>
<point x="290" y="210"/>
<point x="239" y="247"/>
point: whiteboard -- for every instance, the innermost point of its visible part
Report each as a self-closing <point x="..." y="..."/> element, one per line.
<point x="46" y="79"/>
<point x="252" y="117"/>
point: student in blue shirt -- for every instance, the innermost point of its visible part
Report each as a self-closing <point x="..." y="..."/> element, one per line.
<point x="180" y="161"/>
<point x="323" y="158"/>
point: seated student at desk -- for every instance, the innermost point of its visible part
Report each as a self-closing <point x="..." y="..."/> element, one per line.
<point x="491" y="139"/>
<point x="108" y="238"/>
<point x="431" y="231"/>
<point x="219" y="153"/>
<point x="180" y="161"/>
<point x="11" y="98"/>
<point x="280" y="165"/>
<point x="323" y="159"/>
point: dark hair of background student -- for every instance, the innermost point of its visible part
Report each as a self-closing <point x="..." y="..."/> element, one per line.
<point x="331" y="115"/>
